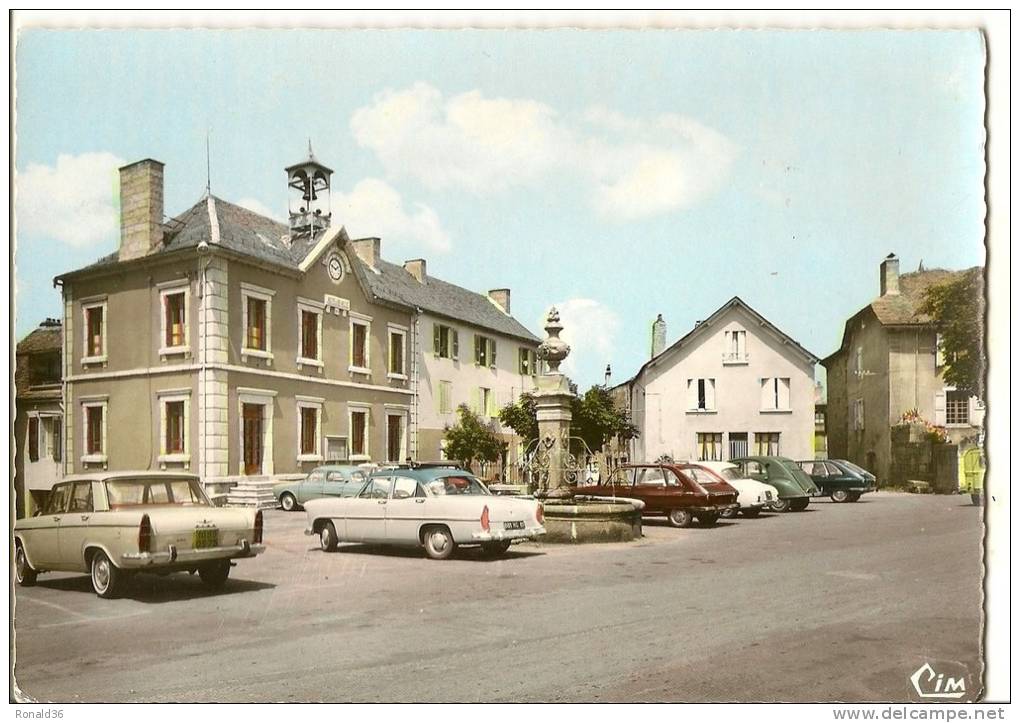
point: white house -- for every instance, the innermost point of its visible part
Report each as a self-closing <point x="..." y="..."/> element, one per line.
<point x="732" y="386"/>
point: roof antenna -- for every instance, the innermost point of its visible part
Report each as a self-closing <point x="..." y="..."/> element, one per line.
<point x="208" y="175"/>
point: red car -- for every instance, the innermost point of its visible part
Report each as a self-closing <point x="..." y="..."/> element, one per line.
<point x="667" y="489"/>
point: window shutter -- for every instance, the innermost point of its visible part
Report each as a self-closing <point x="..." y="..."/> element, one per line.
<point x="940" y="407"/>
<point x="493" y="409"/>
<point x="784" y="394"/>
<point x="728" y="343"/>
<point x="435" y="339"/>
<point x="492" y="360"/>
<point x="741" y="344"/>
<point x="710" y="394"/>
<point x="476" y="403"/>
<point x="456" y="344"/>
<point x="940" y="358"/>
<point x="766" y="393"/>
<point x="692" y="394"/>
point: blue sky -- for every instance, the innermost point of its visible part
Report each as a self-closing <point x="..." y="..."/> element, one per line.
<point x="617" y="175"/>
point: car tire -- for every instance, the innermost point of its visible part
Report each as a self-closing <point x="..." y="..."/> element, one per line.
<point x="975" y="499"/>
<point x="24" y="572"/>
<point x="800" y="504"/>
<point x="496" y="549"/>
<point x="327" y="538"/>
<point x="839" y="496"/>
<point x="728" y="513"/>
<point x="751" y="511"/>
<point x="680" y="518"/>
<point x="439" y="543"/>
<point x="287" y="502"/>
<point x="108" y="580"/>
<point x="781" y="506"/>
<point x="215" y="574"/>
<point x="854" y="496"/>
<point x="708" y="519"/>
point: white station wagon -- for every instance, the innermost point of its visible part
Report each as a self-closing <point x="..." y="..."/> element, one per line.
<point x="115" y="524"/>
<point x="435" y="508"/>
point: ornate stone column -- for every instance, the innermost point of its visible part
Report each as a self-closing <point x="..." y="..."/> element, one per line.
<point x="552" y="405"/>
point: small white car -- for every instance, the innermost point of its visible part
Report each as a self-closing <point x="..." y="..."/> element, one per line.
<point x="753" y="496"/>
<point x="438" y="509"/>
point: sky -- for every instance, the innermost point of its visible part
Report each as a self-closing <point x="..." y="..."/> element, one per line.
<point x="614" y="174"/>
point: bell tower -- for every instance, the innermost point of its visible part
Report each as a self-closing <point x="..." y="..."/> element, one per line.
<point x="308" y="203"/>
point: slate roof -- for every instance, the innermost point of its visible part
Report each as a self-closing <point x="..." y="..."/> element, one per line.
<point x="43" y="339"/>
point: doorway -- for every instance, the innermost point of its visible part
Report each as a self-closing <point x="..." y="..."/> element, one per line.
<point x="394" y="437"/>
<point x="251" y="415"/>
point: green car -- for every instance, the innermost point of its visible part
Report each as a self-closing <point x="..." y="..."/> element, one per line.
<point x="795" y="488"/>
<point x="331" y="480"/>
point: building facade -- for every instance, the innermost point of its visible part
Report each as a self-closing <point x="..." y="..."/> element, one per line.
<point x="889" y="363"/>
<point x="734" y="385"/>
<point x="230" y="345"/>
<point x="38" y="421"/>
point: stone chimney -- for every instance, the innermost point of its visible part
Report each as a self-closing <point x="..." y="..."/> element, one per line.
<point x="889" y="276"/>
<point x="416" y="267"/>
<point x="141" y="208"/>
<point x="367" y="250"/>
<point x="502" y="298"/>
<point x="658" y="336"/>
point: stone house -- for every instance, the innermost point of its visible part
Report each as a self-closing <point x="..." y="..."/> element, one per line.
<point x="734" y="385"/>
<point x="38" y="421"/>
<point x="231" y="345"/>
<point x="888" y="363"/>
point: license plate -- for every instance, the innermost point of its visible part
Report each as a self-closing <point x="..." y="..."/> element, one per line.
<point x="515" y="525"/>
<point x="205" y="538"/>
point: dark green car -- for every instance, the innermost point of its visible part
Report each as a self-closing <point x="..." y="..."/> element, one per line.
<point x="839" y="479"/>
<point x="331" y="480"/>
<point x="794" y="487"/>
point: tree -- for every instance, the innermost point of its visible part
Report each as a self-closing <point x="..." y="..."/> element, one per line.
<point x="471" y="439"/>
<point x="956" y="308"/>
<point x="521" y="418"/>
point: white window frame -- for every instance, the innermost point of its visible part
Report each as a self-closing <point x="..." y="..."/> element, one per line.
<point x="366" y="454"/>
<point x="86" y="404"/>
<point x="85" y="307"/>
<point x="164" y="397"/>
<point x="401" y="331"/>
<point x="773" y="383"/>
<point x="171" y="288"/>
<point x="401" y="412"/>
<point x="347" y="446"/>
<point x="303" y="402"/>
<point x="739" y="357"/>
<point x="957" y="425"/>
<point x="262" y="294"/>
<point x="490" y="363"/>
<point x="263" y="397"/>
<point x="365" y="321"/>
<point x="710" y="395"/>
<point x="312" y="307"/>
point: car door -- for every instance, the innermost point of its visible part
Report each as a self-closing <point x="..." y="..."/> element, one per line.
<point x="366" y="516"/>
<point x="334" y="484"/>
<point x="838" y="479"/>
<point x="74" y="527"/>
<point x="44" y="548"/>
<point x="405" y="511"/>
<point x="310" y="488"/>
<point x="650" y="485"/>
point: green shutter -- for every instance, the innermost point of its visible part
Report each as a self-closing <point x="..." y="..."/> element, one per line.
<point x="435" y="339"/>
<point x="476" y="400"/>
<point x="492" y="411"/>
<point x="492" y="359"/>
<point x="456" y="344"/>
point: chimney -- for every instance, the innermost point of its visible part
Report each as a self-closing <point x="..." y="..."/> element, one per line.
<point x="502" y="298"/>
<point x="141" y="208"/>
<point x="889" y="276"/>
<point x="367" y="250"/>
<point x="416" y="267"/>
<point x="658" y="336"/>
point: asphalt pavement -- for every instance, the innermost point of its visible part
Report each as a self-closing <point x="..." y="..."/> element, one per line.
<point x="842" y="602"/>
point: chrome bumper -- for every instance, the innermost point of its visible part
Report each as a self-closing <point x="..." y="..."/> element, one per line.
<point x="172" y="556"/>
<point x="512" y="535"/>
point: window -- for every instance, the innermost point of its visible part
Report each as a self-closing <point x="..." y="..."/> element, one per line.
<point x="33" y="439"/>
<point x="175" y="334"/>
<point x="775" y="394"/>
<point x="701" y="395"/>
<point x="44" y="368"/>
<point x="859" y="361"/>
<point x="736" y="347"/>
<point x="359" y="359"/>
<point x="309" y="333"/>
<point x="59" y="500"/>
<point x="445" y="397"/>
<point x="308" y="426"/>
<point x="957" y="407"/>
<point x="56" y="425"/>
<point x="766" y="444"/>
<point x="857" y="414"/>
<point x="95" y="331"/>
<point x="359" y="434"/>
<point x="445" y="342"/>
<point x="81" y="497"/>
<point x="174" y="440"/>
<point x="526" y="361"/>
<point x="405" y="488"/>
<point x="336" y="449"/>
<point x="173" y="405"/>
<point x="309" y="416"/>
<point x="397" y="368"/>
<point x="94" y="429"/>
<point x="257" y="308"/>
<point x="710" y="446"/>
<point x="738" y="445"/>
<point x="484" y="403"/>
<point x="485" y="351"/>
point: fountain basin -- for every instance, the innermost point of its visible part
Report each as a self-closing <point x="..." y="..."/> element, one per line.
<point x="580" y="521"/>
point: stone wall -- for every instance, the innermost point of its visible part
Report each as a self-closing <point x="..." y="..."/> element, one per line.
<point x="915" y="456"/>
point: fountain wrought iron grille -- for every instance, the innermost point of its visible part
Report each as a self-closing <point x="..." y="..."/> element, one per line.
<point x="550" y="454"/>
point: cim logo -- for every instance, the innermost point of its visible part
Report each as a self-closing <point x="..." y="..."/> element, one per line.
<point x="930" y="684"/>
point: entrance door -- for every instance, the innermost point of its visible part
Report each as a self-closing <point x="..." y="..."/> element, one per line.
<point x="252" y="434"/>
<point x="394" y="437"/>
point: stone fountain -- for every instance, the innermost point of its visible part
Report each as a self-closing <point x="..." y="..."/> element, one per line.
<point x="570" y="516"/>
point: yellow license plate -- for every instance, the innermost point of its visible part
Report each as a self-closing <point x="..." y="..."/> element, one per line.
<point x="205" y="538"/>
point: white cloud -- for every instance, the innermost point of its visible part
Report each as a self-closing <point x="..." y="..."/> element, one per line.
<point x="374" y="208"/>
<point x="590" y="328"/>
<point x="631" y="167"/>
<point x="74" y="201"/>
<point x="253" y="204"/>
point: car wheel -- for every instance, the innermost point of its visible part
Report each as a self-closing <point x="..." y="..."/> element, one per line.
<point x="781" y="506"/>
<point x="496" y="548"/>
<point x="25" y="573"/>
<point x="839" y="495"/>
<point x="751" y="511"/>
<point x="680" y="518"/>
<point x="327" y="538"/>
<point x="287" y="502"/>
<point x="975" y="499"/>
<point x="728" y="513"/>
<point x="214" y="574"/>
<point x="439" y="543"/>
<point x="108" y="580"/>
<point x="800" y="504"/>
<point x="708" y="519"/>
<point x="854" y="496"/>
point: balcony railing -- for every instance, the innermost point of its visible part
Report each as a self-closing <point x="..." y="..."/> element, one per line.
<point x="732" y="357"/>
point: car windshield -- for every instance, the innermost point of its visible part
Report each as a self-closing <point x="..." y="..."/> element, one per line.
<point x="854" y="467"/>
<point x="729" y="473"/>
<point x="143" y="491"/>
<point x="456" y="485"/>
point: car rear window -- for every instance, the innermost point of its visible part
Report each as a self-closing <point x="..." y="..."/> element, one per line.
<point x="456" y="485"/>
<point x="145" y="492"/>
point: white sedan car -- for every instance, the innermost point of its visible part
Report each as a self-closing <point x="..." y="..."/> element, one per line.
<point x="753" y="496"/>
<point x="438" y="509"/>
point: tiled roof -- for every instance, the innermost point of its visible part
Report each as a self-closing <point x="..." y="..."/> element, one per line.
<point x="45" y="338"/>
<point x="902" y="308"/>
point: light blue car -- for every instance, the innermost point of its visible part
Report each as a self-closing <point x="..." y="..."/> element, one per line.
<point x="331" y="480"/>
